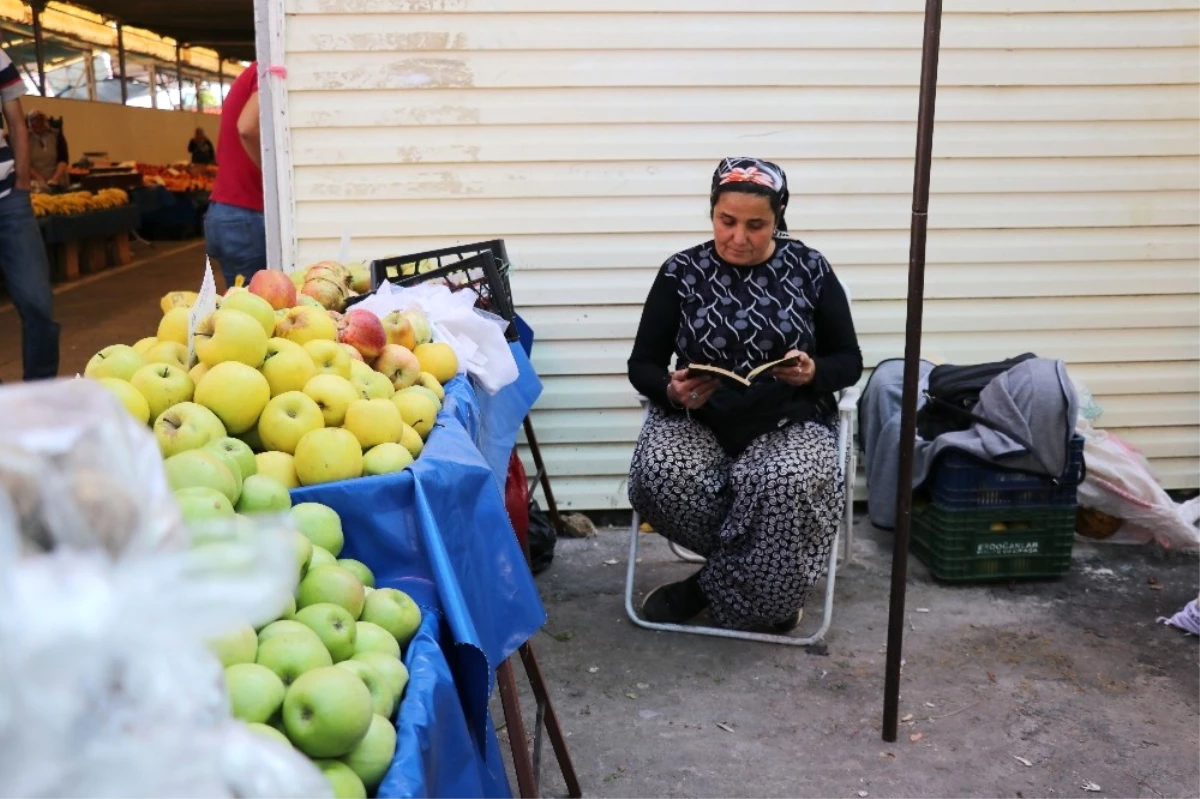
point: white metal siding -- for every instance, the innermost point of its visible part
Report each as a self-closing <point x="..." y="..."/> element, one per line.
<point x="1065" y="208"/>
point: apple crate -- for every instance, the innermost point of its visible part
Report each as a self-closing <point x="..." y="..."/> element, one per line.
<point x="993" y="544"/>
<point x="961" y="482"/>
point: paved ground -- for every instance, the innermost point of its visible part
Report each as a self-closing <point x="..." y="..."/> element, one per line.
<point x="1074" y="677"/>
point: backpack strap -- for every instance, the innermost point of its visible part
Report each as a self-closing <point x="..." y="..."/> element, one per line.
<point x="963" y="413"/>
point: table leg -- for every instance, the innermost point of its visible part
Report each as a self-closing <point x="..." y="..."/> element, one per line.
<point x="95" y="255"/>
<point x="68" y="260"/>
<point x="553" y="728"/>
<point x="536" y="452"/>
<point x="121" y="254"/>
<point x="526" y="783"/>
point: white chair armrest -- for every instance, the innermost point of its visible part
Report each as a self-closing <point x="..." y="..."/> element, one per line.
<point x="848" y="401"/>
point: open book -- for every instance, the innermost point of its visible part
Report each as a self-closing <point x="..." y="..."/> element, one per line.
<point x="745" y="382"/>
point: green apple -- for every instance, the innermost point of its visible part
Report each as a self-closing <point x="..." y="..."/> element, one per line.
<point x="304" y="550"/>
<point x="327" y="456"/>
<point x="288" y="366"/>
<point x="263" y="495"/>
<point x="252" y="440"/>
<point x="284" y="627"/>
<point x="374" y="422"/>
<point x="394" y="611"/>
<point x="186" y="426"/>
<point x="128" y="396"/>
<point x="359" y="570"/>
<point x="417" y="410"/>
<point x="199" y="468"/>
<point x="386" y="458"/>
<point x="320" y="524"/>
<point x="168" y="352"/>
<point x="291" y="655"/>
<point x="320" y="557"/>
<point x="267" y="731"/>
<point x="373" y="385"/>
<point x="331" y="584"/>
<point x="241" y="453"/>
<point x="286" y="420"/>
<point x="333" y="624"/>
<point x="288" y="611"/>
<point x="163" y="385"/>
<point x="373" y="756"/>
<point x="382" y="699"/>
<point x="239" y="645"/>
<point x="342" y="779"/>
<point x="411" y="440"/>
<point x="253" y="306"/>
<point x="236" y="393"/>
<point x="392" y="669"/>
<point x="327" y="712"/>
<point x="118" y="360"/>
<point x="333" y="395"/>
<point x="419" y="389"/>
<point x="230" y="336"/>
<point x="329" y="358"/>
<point x="430" y="382"/>
<point x="255" y="692"/>
<point x="201" y="503"/>
<point x="370" y="637"/>
<point x="279" y="466"/>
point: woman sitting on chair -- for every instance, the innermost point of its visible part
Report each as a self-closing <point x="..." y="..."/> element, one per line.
<point x="747" y="477"/>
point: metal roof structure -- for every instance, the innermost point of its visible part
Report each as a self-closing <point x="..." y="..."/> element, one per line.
<point x="226" y="26"/>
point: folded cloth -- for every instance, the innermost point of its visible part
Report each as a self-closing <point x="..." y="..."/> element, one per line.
<point x="1187" y="619"/>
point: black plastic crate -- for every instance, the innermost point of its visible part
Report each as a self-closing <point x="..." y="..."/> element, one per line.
<point x="961" y="482"/>
<point x="994" y="544"/>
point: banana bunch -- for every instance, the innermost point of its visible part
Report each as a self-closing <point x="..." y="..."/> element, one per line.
<point x="109" y="198"/>
<point x="72" y="204"/>
<point x="177" y="299"/>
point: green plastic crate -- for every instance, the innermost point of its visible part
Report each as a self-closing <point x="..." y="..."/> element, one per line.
<point x="969" y="546"/>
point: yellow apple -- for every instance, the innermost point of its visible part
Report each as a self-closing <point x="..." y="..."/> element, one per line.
<point x="385" y="459"/>
<point x="354" y="354"/>
<point x="417" y="410"/>
<point x="144" y="345"/>
<point x="329" y="358"/>
<point x="398" y="365"/>
<point x="328" y="454"/>
<point x="286" y="420"/>
<point x="373" y="422"/>
<point x="198" y="371"/>
<point x="163" y="385"/>
<point x="129" y="396"/>
<point x="170" y="352"/>
<point x="174" y="326"/>
<point x="438" y="359"/>
<point x="304" y="323"/>
<point x="226" y="336"/>
<point x="254" y="306"/>
<point x="235" y="392"/>
<point x="117" y="360"/>
<point x="279" y="466"/>
<point x="288" y="366"/>
<point x="430" y="382"/>
<point x="411" y="440"/>
<point x="360" y="370"/>
<point x="333" y="395"/>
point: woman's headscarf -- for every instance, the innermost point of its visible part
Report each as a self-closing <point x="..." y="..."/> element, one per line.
<point x="755" y="172"/>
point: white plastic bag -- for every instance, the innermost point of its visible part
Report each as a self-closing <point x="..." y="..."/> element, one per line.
<point x="476" y="336"/>
<point x="1120" y="483"/>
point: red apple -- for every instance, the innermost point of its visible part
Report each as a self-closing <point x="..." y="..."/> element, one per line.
<point x="275" y="287"/>
<point x="399" y="330"/>
<point x="362" y="330"/>
<point x="399" y="365"/>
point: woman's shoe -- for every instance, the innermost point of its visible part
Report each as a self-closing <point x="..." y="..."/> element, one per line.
<point x="675" y="603"/>
<point x="787" y="625"/>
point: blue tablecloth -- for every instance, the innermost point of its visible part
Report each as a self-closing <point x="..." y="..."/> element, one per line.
<point x="504" y="412"/>
<point x="440" y="531"/>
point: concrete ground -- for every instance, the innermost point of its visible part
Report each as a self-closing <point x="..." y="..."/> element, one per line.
<point x="1063" y="688"/>
<point x="1033" y="690"/>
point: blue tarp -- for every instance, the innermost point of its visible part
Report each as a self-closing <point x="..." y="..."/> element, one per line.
<point x="504" y="412"/>
<point x="440" y="531"/>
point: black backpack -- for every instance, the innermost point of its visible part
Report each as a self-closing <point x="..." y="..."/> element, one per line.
<point x="952" y="394"/>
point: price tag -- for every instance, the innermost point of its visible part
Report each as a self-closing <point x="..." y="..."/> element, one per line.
<point x="206" y="303"/>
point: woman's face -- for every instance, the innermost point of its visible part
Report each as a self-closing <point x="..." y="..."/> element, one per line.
<point x="743" y="228"/>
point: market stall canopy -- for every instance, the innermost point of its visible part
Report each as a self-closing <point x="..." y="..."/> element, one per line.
<point x="226" y="26"/>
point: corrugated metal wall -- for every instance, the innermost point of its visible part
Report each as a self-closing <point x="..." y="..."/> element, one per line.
<point x="1064" y="218"/>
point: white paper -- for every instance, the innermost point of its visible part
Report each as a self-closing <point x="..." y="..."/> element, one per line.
<point x="206" y="303"/>
<point x="343" y="253"/>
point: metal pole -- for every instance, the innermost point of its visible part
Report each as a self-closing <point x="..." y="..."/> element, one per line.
<point x="121" y="63"/>
<point x="179" y="73"/>
<point x="220" y="81"/>
<point x="912" y="362"/>
<point x="39" y="44"/>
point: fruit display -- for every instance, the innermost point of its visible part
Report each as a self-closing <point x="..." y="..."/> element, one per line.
<point x="78" y="202"/>
<point x="326" y="675"/>
<point x="312" y="394"/>
<point x="193" y="177"/>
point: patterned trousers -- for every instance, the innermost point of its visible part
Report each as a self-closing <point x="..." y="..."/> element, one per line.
<point x="765" y="520"/>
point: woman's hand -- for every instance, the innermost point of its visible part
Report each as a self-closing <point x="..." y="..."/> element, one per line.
<point x="690" y="392"/>
<point x="799" y="375"/>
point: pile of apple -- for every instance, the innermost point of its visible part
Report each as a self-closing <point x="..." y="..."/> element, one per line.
<point x="326" y="677"/>
<point x="316" y="394"/>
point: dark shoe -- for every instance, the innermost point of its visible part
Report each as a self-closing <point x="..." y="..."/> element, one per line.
<point x="787" y="625"/>
<point x="675" y="603"/>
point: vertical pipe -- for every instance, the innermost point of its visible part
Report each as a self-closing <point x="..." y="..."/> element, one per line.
<point x="179" y="73"/>
<point x="912" y="357"/>
<point x="121" y="63"/>
<point x="220" y="81"/>
<point x="39" y="44"/>
<point x="152" y="75"/>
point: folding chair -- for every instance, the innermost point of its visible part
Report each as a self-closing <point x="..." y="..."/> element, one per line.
<point x="848" y="461"/>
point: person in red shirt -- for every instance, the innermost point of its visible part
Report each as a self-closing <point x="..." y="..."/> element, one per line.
<point x="234" y="231"/>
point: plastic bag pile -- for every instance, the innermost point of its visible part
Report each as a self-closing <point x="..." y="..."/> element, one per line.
<point x="106" y="602"/>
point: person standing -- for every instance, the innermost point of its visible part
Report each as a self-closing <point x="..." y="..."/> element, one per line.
<point x="23" y="259"/>
<point x="49" y="157"/>
<point x="201" y="149"/>
<point x="234" y="230"/>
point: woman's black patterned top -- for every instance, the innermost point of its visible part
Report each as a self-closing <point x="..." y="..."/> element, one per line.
<point x="704" y="310"/>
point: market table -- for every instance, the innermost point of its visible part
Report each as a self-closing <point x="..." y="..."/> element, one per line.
<point x="440" y="532"/>
<point x="101" y="236"/>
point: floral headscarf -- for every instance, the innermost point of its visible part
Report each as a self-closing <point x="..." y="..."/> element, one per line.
<point x="754" y="171"/>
